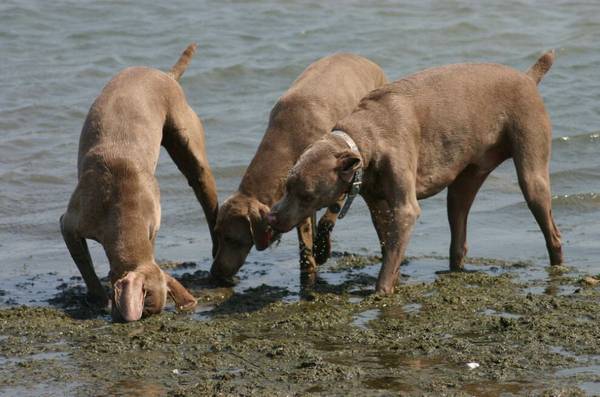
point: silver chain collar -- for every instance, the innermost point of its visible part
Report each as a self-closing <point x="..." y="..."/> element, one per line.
<point x="356" y="182"/>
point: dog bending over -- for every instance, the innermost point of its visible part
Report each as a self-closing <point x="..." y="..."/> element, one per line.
<point x="117" y="199"/>
<point x="324" y="93"/>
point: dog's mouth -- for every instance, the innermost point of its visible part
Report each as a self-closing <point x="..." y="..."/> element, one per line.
<point x="267" y="238"/>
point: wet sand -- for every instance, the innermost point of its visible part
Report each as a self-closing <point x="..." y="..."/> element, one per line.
<point x="532" y="331"/>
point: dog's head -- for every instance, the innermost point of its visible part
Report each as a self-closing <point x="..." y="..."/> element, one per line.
<point x="241" y="223"/>
<point x="144" y="291"/>
<point x="322" y="174"/>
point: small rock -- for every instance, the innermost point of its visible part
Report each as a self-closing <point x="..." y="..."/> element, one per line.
<point x="175" y="371"/>
<point x="472" y="365"/>
<point x="591" y="281"/>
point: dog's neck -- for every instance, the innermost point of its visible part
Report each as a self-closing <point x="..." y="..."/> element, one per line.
<point x="348" y="139"/>
<point x="359" y="140"/>
<point x="356" y="182"/>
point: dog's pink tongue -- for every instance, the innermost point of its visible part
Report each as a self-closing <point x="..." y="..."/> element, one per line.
<point x="129" y="297"/>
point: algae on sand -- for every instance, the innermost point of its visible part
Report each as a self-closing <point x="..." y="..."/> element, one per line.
<point x="415" y="342"/>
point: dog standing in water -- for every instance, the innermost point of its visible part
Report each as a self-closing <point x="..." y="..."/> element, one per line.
<point x="445" y="127"/>
<point x="328" y="90"/>
<point x="117" y="200"/>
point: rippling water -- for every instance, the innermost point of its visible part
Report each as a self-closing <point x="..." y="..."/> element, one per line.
<point x="55" y="57"/>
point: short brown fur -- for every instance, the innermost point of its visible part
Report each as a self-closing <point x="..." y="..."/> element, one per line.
<point x="445" y="127"/>
<point x="117" y="199"/>
<point x="324" y="93"/>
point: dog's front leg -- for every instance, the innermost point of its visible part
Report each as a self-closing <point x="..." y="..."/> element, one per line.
<point x="81" y="256"/>
<point x="305" y="241"/>
<point x="185" y="144"/>
<point x="322" y="244"/>
<point x="393" y="221"/>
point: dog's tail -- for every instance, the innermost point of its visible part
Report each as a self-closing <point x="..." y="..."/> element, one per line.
<point x="183" y="61"/>
<point x="541" y="67"/>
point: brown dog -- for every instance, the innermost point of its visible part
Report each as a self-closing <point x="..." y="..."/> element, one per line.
<point x="444" y="127"/>
<point x="324" y="93"/>
<point x="117" y="200"/>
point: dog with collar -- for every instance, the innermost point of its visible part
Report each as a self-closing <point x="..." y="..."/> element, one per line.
<point x="324" y="93"/>
<point x="117" y="199"/>
<point x="445" y="127"/>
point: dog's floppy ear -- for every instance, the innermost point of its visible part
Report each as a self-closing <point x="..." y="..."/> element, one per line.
<point x="180" y="295"/>
<point x="348" y="163"/>
<point x="259" y="227"/>
<point x="129" y="296"/>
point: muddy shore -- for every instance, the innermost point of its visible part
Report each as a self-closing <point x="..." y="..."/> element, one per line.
<point x="528" y="335"/>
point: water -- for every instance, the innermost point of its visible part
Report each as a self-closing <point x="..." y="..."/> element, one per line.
<point x="55" y="57"/>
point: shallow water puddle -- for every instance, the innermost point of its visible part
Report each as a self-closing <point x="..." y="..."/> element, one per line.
<point x="412" y="308"/>
<point x="493" y="389"/>
<point x="41" y="389"/>
<point x="553" y="290"/>
<point x="563" y="352"/>
<point x="591" y="388"/>
<point x="34" y="357"/>
<point x="203" y="313"/>
<point x="355" y="299"/>
<point x="362" y="319"/>
<point x="492" y="312"/>
<point x="589" y="369"/>
<point x="384" y="360"/>
<point x="388" y="383"/>
<point x="136" y="388"/>
<point x="396" y="360"/>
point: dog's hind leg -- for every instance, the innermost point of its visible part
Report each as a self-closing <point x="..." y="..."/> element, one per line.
<point x="80" y="253"/>
<point x="184" y="140"/>
<point x="461" y="194"/>
<point x="532" y="157"/>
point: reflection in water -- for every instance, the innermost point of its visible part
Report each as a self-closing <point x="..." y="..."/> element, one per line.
<point x="493" y="389"/>
<point x="362" y="319"/>
<point x="388" y="383"/>
<point x="137" y="388"/>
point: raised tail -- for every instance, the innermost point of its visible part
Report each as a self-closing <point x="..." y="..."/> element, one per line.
<point x="183" y="61"/>
<point x="541" y="67"/>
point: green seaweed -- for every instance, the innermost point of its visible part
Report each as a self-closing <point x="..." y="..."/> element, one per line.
<point x="414" y="342"/>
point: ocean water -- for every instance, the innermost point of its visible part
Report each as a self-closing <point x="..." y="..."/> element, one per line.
<point x="55" y="57"/>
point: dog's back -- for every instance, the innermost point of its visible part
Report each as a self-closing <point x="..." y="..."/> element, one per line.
<point x="451" y="116"/>
<point x="128" y="117"/>
<point x="120" y="143"/>
<point x="325" y="92"/>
